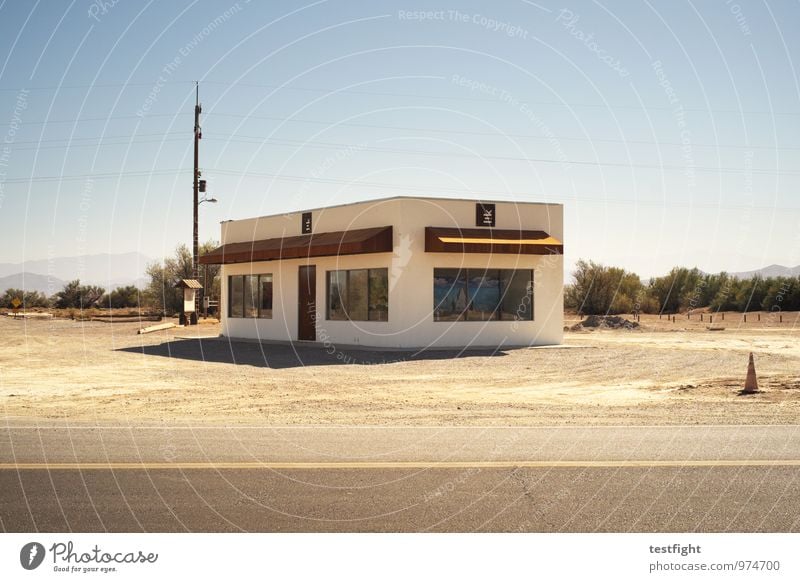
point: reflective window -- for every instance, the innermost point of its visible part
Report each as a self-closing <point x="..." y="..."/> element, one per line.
<point x="378" y="294"/>
<point x="337" y="295"/>
<point x="250" y="296"/>
<point x="357" y="291"/>
<point x="449" y="294"/>
<point x="483" y="291"/>
<point x="236" y="296"/>
<point x="482" y="295"/>
<point x="358" y="295"/>
<point x="265" y="296"/>
<point x="516" y="290"/>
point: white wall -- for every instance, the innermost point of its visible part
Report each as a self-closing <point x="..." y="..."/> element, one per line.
<point x="410" y="275"/>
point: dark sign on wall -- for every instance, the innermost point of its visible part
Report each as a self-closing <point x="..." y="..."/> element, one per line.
<point x="305" y="225"/>
<point x="484" y="214"/>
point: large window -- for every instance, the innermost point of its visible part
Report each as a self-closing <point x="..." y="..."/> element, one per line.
<point x="250" y="296"/>
<point x="236" y="296"/>
<point x="265" y="296"/>
<point x="482" y="295"/>
<point x="358" y="295"/>
<point x="449" y="294"/>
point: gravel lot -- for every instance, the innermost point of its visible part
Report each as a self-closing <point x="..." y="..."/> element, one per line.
<point x="667" y="373"/>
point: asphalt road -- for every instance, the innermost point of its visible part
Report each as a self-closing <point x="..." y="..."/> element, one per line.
<point x="574" y="479"/>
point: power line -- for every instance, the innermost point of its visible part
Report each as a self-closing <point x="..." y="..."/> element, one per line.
<point x="357" y="147"/>
<point x="503" y="134"/>
<point x="400" y="128"/>
<point x="101" y="144"/>
<point x="387" y="186"/>
<point x="100" y="138"/>
<point x="82" y="119"/>
<point x="433" y="189"/>
<point x="86" y="86"/>
<point x="97" y="176"/>
<point x="406" y="96"/>
<point x="373" y="149"/>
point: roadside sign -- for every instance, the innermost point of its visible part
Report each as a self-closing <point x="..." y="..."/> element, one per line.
<point x="16" y="303"/>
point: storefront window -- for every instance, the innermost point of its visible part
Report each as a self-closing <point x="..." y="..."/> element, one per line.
<point x="265" y="296"/>
<point x="516" y="295"/>
<point x="357" y="291"/>
<point x="250" y="296"/>
<point x="378" y="295"/>
<point x="337" y="295"/>
<point x="449" y="294"/>
<point x="483" y="290"/>
<point x="358" y="295"/>
<point x="482" y="295"/>
<point x="236" y="296"/>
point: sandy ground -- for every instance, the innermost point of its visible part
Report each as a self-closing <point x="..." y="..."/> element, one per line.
<point x="667" y="373"/>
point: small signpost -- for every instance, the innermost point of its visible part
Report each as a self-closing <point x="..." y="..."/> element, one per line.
<point x="190" y="287"/>
<point x="15" y="303"/>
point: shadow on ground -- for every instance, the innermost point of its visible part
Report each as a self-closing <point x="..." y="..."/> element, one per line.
<point x="280" y="356"/>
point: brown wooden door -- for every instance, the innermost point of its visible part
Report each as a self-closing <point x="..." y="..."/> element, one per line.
<point x="307" y="303"/>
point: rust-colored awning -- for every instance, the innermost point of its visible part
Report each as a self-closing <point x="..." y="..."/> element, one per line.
<point x="491" y="240"/>
<point x="322" y="244"/>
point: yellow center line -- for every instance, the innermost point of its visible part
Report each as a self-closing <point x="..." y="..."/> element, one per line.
<point x="399" y="464"/>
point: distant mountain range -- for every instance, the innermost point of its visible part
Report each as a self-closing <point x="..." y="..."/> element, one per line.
<point x="31" y="282"/>
<point x="771" y="271"/>
<point x="117" y="270"/>
<point x="49" y="275"/>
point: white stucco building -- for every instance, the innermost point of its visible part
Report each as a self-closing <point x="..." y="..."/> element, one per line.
<point x="398" y="272"/>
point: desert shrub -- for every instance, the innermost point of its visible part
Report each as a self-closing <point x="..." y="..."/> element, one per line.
<point x="76" y="295"/>
<point x="610" y="290"/>
<point x="680" y="289"/>
<point x="121" y="297"/>
<point x="28" y="299"/>
<point x="160" y="293"/>
<point x="781" y="294"/>
<point x="599" y="289"/>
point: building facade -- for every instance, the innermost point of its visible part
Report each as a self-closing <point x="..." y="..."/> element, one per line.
<point x="396" y="273"/>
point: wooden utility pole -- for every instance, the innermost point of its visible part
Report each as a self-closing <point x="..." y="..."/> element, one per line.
<point x="195" y="190"/>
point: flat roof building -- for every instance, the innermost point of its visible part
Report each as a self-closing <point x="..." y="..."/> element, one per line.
<point x="402" y="272"/>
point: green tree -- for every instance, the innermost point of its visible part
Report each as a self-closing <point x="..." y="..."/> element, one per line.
<point x="681" y="288"/>
<point x="783" y="294"/>
<point x="725" y="297"/>
<point x="28" y="299"/>
<point x="127" y="296"/>
<point x="160" y="292"/>
<point x="78" y="296"/>
<point x="599" y="289"/>
<point x="713" y="285"/>
<point x="750" y="294"/>
<point x="209" y="274"/>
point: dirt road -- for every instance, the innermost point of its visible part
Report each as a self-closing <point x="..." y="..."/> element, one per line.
<point x="85" y="371"/>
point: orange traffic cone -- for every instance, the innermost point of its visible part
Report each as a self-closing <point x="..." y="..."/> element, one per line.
<point x="751" y="382"/>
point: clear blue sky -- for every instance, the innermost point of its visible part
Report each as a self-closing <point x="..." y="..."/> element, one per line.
<point x="669" y="130"/>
